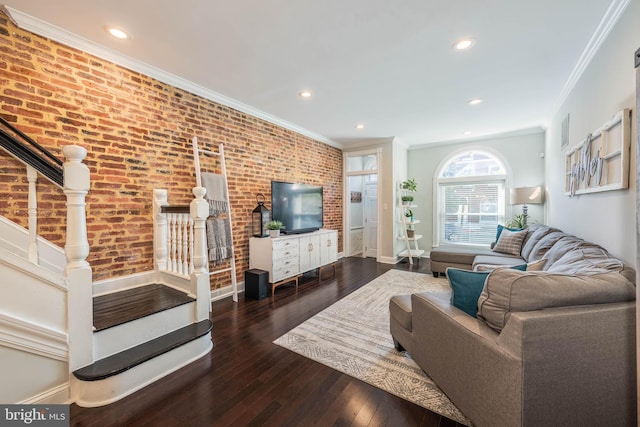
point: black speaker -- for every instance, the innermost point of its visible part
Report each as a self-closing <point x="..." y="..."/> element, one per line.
<point x="256" y="284"/>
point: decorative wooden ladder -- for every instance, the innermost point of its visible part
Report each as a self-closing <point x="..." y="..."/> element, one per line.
<point x="220" y="155"/>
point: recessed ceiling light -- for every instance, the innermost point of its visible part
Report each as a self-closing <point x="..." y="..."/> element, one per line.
<point x="359" y="126"/>
<point x="464" y="44"/>
<point x="118" y="33"/>
<point x="475" y="101"/>
<point x="467" y="133"/>
<point x="304" y="94"/>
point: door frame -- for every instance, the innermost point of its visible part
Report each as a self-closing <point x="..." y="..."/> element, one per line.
<point x="347" y="200"/>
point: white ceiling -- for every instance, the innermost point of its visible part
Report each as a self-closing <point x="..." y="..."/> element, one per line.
<point x="386" y="64"/>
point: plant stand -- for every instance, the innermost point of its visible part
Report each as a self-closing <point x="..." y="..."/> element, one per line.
<point x="409" y="237"/>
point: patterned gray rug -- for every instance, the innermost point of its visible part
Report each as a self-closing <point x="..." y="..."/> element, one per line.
<point x="352" y="336"/>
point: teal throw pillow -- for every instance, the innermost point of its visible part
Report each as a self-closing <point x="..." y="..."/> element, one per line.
<point x="466" y="287"/>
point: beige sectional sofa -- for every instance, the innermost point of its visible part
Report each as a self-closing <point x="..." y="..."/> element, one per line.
<point x="547" y="348"/>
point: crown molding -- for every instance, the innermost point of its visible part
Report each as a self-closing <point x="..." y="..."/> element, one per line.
<point x="55" y="33"/>
<point x="488" y="137"/>
<point x="607" y="23"/>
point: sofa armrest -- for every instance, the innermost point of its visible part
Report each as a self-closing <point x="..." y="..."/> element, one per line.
<point x="462" y="356"/>
<point x="578" y="363"/>
<point x="561" y="366"/>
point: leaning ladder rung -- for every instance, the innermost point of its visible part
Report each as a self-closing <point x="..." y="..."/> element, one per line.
<point x="202" y="150"/>
<point x="224" y="270"/>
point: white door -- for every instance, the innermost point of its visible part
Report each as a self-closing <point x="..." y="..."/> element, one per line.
<point x="371" y="219"/>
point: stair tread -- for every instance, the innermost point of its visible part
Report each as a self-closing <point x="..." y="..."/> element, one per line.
<point x="131" y="304"/>
<point x="134" y="356"/>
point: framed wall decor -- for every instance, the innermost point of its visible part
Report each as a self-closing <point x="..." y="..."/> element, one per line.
<point x="600" y="162"/>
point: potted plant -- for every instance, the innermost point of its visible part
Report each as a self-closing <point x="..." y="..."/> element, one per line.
<point x="409" y="185"/>
<point x="406" y="199"/>
<point x="274" y="228"/>
<point x="409" y="214"/>
<point x="518" y="221"/>
<point x="410" y="231"/>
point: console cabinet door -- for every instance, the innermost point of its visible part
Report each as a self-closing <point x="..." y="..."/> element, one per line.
<point x="309" y="253"/>
<point x="328" y="248"/>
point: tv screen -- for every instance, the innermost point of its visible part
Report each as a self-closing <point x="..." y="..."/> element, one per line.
<point x="298" y="206"/>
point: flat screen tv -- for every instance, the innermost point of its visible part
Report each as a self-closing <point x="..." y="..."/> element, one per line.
<point x="298" y="206"/>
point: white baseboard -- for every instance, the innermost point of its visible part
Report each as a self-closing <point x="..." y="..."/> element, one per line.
<point x="388" y="260"/>
<point x="57" y="395"/>
<point x="131" y="281"/>
<point x="117" y="284"/>
<point x="225" y="292"/>
<point x="395" y="260"/>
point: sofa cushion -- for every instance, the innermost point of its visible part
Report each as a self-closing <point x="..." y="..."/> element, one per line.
<point x="496" y="259"/>
<point x="543" y="244"/>
<point x="584" y="260"/>
<point x="510" y="242"/>
<point x="466" y="286"/>
<point x="491" y="267"/>
<point x="535" y="233"/>
<point x="400" y="310"/>
<point x="507" y="291"/>
<point x="536" y="265"/>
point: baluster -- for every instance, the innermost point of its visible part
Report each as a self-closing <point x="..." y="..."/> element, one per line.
<point x="191" y="244"/>
<point x="32" y="212"/>
<point x="174" y="264"/>
<point x="178" y="243"/>
<point x="185" y="244"/>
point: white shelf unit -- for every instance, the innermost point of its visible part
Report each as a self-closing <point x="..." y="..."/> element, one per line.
<point x="412" y="249"/>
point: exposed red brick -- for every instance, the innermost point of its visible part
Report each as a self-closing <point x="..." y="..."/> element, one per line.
<point x="137" y="132"/>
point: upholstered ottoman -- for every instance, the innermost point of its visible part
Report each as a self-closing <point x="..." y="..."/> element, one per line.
<point x="400" y="321"/>
<point x="454" y="257"/>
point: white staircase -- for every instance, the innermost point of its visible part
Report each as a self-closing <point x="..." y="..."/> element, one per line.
<point x="50" y="349"/>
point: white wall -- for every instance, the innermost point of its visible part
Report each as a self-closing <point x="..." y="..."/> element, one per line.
<point x="400" y="159"/>
<point x="521" y="154"/>
<point x="606" y="87"/>
<point x="26" y="375"/>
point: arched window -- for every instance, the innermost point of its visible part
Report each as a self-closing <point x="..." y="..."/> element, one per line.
<point x="471" y="198"/>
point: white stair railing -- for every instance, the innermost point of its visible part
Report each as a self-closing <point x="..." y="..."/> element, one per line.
<point x="173" y="236"/>
<point x="180" y="245"/>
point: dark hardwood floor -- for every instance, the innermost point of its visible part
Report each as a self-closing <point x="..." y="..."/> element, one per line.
<point x="248" y="381"/>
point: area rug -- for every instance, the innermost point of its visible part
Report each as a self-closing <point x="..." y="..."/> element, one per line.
<point x="352" y="336"/>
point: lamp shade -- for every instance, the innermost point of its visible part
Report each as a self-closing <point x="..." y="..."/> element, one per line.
<point x="527" y="195"/>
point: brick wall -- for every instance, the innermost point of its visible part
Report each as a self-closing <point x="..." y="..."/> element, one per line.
<point x="137" y="132"/>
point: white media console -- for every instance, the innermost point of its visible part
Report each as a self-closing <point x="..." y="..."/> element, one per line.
<point x="287" y="257"/>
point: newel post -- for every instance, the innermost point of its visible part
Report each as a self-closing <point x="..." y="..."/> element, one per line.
<point x="77" y="270"/>
<point x="199" y="211"/>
